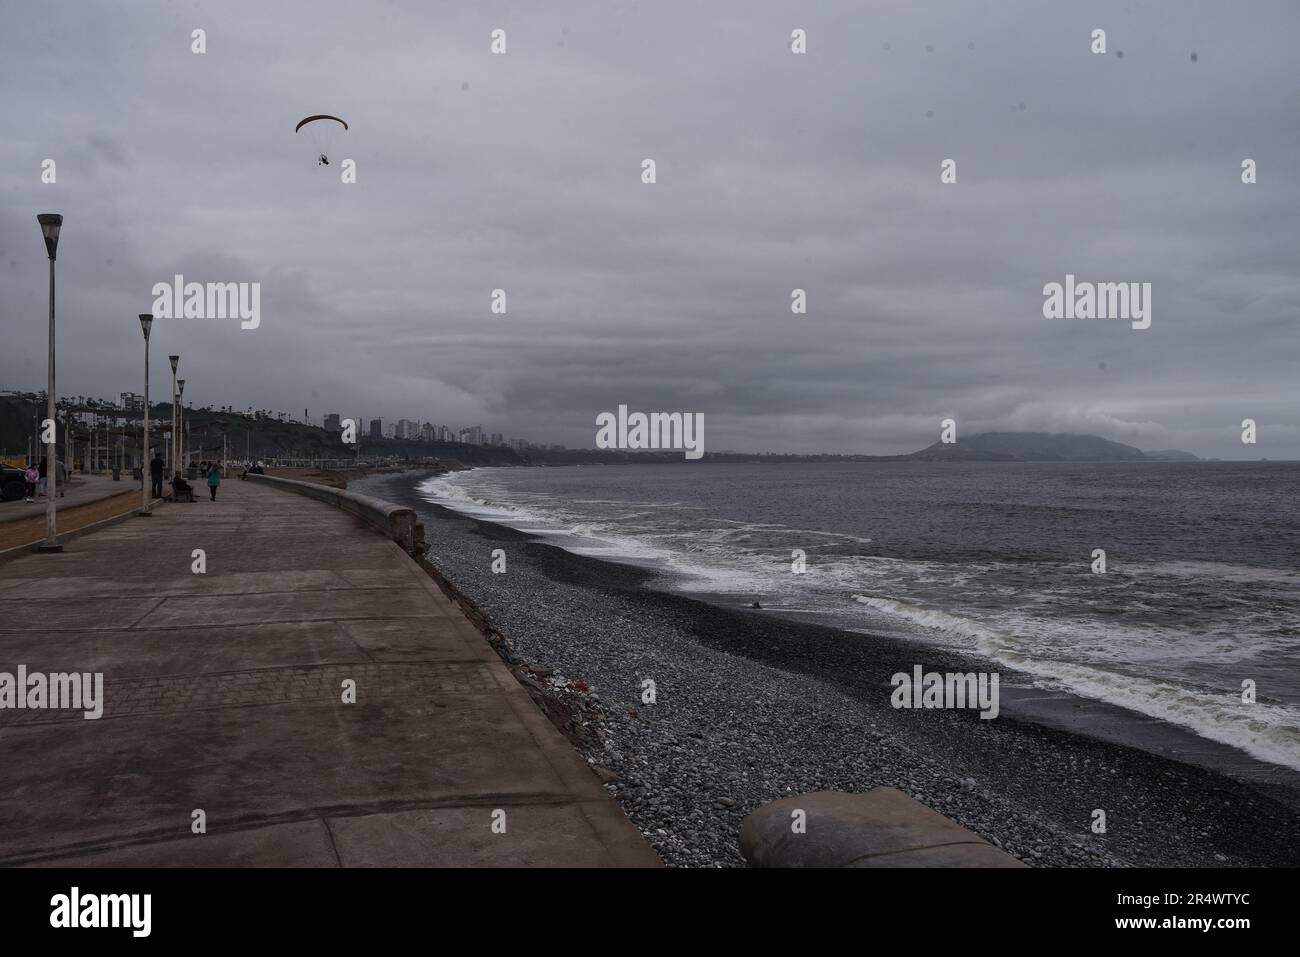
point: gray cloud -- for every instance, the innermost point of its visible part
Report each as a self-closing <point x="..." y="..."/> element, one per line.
<point x="775" y="171"/>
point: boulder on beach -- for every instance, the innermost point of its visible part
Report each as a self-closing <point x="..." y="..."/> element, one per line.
<point x="881" y="828"/>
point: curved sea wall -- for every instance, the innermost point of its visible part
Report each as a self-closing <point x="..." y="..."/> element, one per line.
<point x="398" y="522"/>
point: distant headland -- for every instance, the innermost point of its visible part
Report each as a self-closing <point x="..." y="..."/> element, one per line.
<point x="1043" y="447"/>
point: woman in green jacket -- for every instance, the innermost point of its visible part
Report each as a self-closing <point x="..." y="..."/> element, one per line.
<point x="214" y="479"/>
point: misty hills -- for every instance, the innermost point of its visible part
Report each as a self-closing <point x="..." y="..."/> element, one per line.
<point x="1042" y="447"/>
<point x="264" y="437"/>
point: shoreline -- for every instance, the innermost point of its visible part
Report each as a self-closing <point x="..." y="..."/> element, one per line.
<point x="752" y="707"/>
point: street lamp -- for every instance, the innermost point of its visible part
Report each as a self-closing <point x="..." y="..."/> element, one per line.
<point x="146" y="489"/>
<point x="51" y="223"/>
<point x="180" y="422"/>
<point x="172" y="451"/>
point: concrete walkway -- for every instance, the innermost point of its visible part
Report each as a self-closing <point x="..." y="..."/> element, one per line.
<point x="82" y="490"/>
<point x="222" y="693"/>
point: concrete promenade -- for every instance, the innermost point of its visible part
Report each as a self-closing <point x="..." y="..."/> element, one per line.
<point x="223" y="694"/>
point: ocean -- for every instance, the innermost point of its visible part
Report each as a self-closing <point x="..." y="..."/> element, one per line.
<point x="1201" y="590"/>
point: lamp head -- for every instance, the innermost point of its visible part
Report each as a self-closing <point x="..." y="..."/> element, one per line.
<point x="146" y="321"/>
<point x="51" y="223"/>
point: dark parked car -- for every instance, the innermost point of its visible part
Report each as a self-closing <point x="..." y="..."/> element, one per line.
<point x="12" y="486"/>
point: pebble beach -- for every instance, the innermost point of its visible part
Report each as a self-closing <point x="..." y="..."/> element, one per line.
<point x="750" y="708"/>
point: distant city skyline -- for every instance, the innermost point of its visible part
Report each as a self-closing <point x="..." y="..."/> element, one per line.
<point x="412" y="430"/>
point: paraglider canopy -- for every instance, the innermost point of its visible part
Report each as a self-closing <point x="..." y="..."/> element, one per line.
<point x="320" y="127"/>
<point x="319" y="116"/>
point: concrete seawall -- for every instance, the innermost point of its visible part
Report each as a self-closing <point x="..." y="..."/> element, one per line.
<point x="398" y="522"/>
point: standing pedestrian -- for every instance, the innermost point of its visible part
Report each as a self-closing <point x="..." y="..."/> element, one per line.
<point x="40" y="471"/>
<point x="156" y="475"/>
<point x="31" y="477"/>
<point x="214" y="479"/>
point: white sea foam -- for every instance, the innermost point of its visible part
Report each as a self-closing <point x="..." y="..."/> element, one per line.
<point x="986" y="640"/>
<point x="1093" y="654"/>
<point x="1266" y="731"/>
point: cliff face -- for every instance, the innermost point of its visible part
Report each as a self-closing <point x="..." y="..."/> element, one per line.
<point x="1030" y="447"/>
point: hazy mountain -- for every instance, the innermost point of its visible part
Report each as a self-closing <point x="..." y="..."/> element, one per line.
<point x="1041" y="447"/>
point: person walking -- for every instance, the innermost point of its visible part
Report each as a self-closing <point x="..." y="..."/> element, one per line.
<point x="214" y="479"/>
<point x="31" y="477"/>
<point x="156" y="475"/>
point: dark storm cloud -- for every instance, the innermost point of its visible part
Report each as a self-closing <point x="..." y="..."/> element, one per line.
<point x="775" y="171"/>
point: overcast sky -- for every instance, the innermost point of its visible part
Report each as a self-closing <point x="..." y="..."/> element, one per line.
<point x="775" y="171"/>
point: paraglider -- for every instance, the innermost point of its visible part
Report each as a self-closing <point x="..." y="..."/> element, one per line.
<point x="320" y="127"/>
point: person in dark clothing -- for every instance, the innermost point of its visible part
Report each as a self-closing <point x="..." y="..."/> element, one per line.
<point x="181" y="488"/>
<point x="156" y="474"/>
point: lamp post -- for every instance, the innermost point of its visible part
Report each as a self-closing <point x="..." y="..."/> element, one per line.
<point x="172" y="451"/>
<point x="180" y="424"/>
<point x="146" y="321"/>
<point x="51" y="223"/>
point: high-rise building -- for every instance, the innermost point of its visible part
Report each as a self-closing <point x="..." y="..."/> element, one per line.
<point x="132" y="402"/>
<point x="376" y="428"/>
<point x="332" y="423"/>
<point x="426" y="432"/>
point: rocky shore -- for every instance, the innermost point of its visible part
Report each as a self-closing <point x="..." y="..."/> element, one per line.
<point x="749" y="708"/>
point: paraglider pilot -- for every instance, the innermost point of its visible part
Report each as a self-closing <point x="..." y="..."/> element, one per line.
<point x="323" y="124"/>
